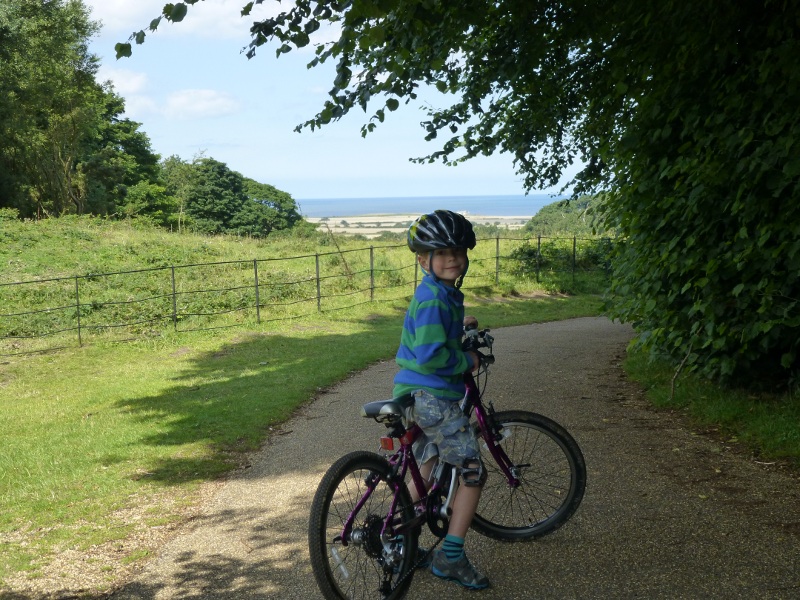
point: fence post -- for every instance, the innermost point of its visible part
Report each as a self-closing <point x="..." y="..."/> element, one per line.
<point x="78" y="310"/>
<point x="497" y="260"/>
<point x="371" y="273"/>
<point x="574" y="256"/>
<point x="258" y="302"/>
<point x="319" y="296"/>
<point x="538" y="256"/>
<point x="174" y="301"/>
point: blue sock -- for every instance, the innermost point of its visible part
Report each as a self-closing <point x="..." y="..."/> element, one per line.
<point x="453" y="547"/>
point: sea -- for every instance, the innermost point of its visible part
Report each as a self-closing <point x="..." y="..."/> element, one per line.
<point x="496" y="206"/>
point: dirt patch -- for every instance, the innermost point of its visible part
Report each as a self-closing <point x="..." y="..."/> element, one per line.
<point x="96" y="571"/>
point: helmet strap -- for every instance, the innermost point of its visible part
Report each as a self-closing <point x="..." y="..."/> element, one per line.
<point x="430" y="267"/>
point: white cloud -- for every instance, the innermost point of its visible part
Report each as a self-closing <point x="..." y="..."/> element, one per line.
<point x="192" y="104"/>
<point x="126" y="82"/>
<point x="123" y="15"/>
<point x="138" y="107"/>
<point x="209" y="18"/>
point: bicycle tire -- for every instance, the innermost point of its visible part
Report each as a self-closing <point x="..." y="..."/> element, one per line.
<point x="552" y="474"/>
<point x="359" y="570"/>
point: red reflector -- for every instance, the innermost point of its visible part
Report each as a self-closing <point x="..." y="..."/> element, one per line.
<point x="387" y="443"/>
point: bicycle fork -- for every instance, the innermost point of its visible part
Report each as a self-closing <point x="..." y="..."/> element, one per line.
<point x="493" y="437"/>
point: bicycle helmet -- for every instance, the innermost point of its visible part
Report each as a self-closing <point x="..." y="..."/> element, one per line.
<point x="440" y="229"/>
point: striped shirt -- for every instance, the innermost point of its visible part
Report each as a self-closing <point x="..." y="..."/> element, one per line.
<point x="430" y="355"/>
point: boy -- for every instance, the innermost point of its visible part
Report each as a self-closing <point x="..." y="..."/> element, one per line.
<point x="432" y="365"/>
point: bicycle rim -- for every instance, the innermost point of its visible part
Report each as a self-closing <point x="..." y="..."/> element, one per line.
<point x="552" y="474"/>
<point x="370" y="566"/>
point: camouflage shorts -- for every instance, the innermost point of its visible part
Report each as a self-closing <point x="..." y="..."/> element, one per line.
<point x="446" y="431"/>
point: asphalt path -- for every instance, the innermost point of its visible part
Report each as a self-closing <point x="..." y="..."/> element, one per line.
<point x="668" y="513"/>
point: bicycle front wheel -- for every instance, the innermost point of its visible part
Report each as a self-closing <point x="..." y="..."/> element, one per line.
<point x="551" y="470"/>
<point x="377" y="561"/>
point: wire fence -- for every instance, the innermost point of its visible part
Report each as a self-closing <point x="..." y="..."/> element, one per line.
<point x="50" y="314"/>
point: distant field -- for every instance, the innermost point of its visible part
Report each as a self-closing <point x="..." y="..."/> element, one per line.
<point x="371" y="226"/>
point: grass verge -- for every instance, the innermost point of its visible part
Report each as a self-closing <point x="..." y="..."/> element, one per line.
<point x="767" y="424"/>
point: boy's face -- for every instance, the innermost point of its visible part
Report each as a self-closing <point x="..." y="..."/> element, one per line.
<point x="448" y="264"/>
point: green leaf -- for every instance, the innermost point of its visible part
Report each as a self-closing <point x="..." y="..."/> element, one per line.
<point x="178" y="12"/>
<point x="140" y="37"/>
<point x="738" y="290"/>
<point x="300" y="40"/>
<point x="342" y="77"/>
<point x="123" y="50"/>
<point x="392" y="104"/>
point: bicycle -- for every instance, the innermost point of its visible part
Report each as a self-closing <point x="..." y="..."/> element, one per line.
<point x="364" y="527"/>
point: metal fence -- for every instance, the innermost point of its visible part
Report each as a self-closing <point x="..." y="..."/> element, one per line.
<point x="59" y="312"/>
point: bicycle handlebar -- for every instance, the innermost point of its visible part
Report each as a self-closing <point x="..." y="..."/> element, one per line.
<point x="474" y="339"/>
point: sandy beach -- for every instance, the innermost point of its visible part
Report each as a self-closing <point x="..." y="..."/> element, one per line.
<point x="372" y="225"/>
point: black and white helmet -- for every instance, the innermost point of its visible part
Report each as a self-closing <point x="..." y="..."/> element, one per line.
<point x="440" y="229"/>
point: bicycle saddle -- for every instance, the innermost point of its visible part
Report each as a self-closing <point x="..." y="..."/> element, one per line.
<point x="382" y="410"/>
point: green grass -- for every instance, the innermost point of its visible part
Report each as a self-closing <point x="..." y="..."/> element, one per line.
<point x="89" y="431"/>
<point x="768" y="425"/>
<point x="120" y="281"/>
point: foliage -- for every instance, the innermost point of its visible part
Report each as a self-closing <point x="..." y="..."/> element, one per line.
<point x="575" y="217"/>
<point x="117" y="158"/>
<point x="124" y="279"/>
<point x="63" y="146"/>
<point x="707" y="192"/>
<point x="683" y="112"/>
<point x="554" y="262"/>
<point x="212" y="199"/>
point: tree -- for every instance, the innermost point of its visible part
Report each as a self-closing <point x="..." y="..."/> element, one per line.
<point x="682" y="112"/>
<point x="116" y="157"/>
<point x="577" y="217"/>
<point x="177" y="176"/>
<point x="63" y="144"/>
<point x="268" y="209"/>
<point x="150" y="201"/>
<point x="216" y="199"/>
<point x="48" y="100"/>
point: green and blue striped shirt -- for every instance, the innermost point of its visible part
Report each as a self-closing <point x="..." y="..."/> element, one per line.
<point x="430" y="355"/>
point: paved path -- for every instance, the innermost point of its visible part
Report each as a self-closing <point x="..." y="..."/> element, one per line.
<point x="667" y="514"/>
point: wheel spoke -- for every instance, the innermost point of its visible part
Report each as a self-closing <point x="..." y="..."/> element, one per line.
<point x="551" y="472"/>
<point x="357" y="570"/>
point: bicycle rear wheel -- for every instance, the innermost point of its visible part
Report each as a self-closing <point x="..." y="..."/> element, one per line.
<point x="552" y="474"/>
<point x="371" y="565"/>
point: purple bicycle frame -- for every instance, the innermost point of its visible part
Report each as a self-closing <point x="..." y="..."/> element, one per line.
<point x="405" y="457"/>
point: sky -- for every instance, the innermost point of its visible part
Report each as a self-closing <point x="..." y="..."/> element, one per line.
<point x="194" y="92"/>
